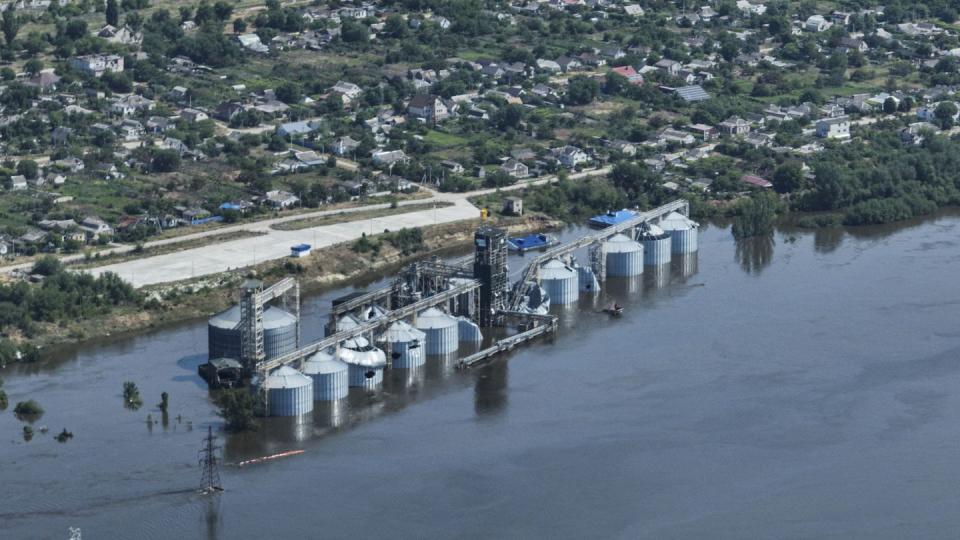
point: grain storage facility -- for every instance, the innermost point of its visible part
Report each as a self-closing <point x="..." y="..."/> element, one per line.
<point x="442" y="331"/>
<point x="289" y="392"/>
<point x="683" y="232"/>
<point x="279" y="333"/>
<point x="365" y="363"/>
<point x="624" y="256"/>
<point x="560" y="282"/>
<point x="588" y="280"/>
<point x="469" y="331"/>
<point x="404" y="345"/>
<point x="656" y="245"/>
<point x="330" y="380"/>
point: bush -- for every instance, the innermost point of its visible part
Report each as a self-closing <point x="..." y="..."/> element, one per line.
<point x="756" y="217"/>
<point x="239" y="408"/>
<point x="28" y="408"/>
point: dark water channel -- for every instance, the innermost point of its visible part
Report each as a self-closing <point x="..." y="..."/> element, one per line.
<point x="805" y="386"/>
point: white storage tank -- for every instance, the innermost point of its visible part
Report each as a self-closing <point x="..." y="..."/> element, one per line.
<point x="289" y="392"/>
<point x="624" y="256"/>
<point x="588" y="280"/>
<point x="560" y="282"/>
<point x="405" y="345"/>
<point x="656" y="245"/>
<point x="365" y="363"/>
<point x="279" y="333"/>
<point x="683" y="232"/>
<point x="329" y="375"/>
<point x="469" y="331"/>
<point x="441" y="329"/>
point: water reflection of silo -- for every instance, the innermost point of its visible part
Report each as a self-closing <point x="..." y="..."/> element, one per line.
<point x="331" y="414"/>
<point x="656" y="277"/>
<point x="441" y="366"/>
<point x="287" y="429"/>
<point x="490" y="392"/>
<point x="399" y="380"/>
<point x="567" y="314"/>
<point x="624" y="286"/>
<point x="685" y="265"/>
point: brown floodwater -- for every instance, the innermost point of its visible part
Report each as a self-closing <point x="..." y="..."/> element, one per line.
<point x="804" y="385"/>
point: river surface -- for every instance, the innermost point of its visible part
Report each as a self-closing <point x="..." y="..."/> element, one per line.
<point x="806" y="386"/>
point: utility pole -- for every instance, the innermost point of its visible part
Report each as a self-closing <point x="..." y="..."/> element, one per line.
<point x="209" y="464"/>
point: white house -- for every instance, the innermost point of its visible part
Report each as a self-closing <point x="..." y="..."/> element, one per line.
<point x="97" y="64"/>
<point x="816" y="23"/>
<point x="571" y="156"/>
<point x="428" y="108"/>
<point x="834" y="128"/>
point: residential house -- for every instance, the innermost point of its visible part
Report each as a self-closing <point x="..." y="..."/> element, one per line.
<point x="252" y="42"/>
<point x="72" y="164"/>
<point x="97" y="64"/>
<point x="45" y="81"/>
<point x="570" y="156"/>
<point x="193" y="115"/>
<point x="18" y="182"/>
<point x="853" y="44"/>
<point x="95" y="227"/>
<point x="515" y="169"/>
<point x="297" y="129"/>
<point x="281" y="199"/>
<point x="348" y="90"/>
<point x="568" y="63"/>
<point x="428" y="108"/>
<point x="834" y="128"/>
<point x="670" y="67"/>
<point x="549" y="66"/>
<point x="703" y="131"/>
<point x="159" y="124"/>
<point x="629" y="73"/>
<point x="131" y="130"/>
<point x="122" y="36"/>
<point x="756" y="181"/>
<point x="227" y="111"/>
<point x="816" y="23"/>
<point x="60" y="135"/>
<point x="670" y="135"/>
<point x="344" y="146"/>
<point x="734" y="126"/>
<point x="388" y="157"/>
<point x="633" y="10"/>
<point x="623" y="147"/>
<point x="132" y="104"/>
<point x="452" y="166"/>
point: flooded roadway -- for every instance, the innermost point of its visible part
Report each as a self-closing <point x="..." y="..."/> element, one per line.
<point x="805" y="386"/>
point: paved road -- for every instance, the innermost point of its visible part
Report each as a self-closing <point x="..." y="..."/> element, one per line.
<point x="276" y="244"/>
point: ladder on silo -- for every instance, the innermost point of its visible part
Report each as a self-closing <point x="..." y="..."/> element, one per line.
<point x="251" y="330"/>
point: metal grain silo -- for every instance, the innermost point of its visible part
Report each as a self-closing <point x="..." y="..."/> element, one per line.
<point x="279" y="333"/>
<point x="560" y="282"/>
<point x="289" y="392"/>
<point x="468" y="331"/>
<point x="365" y="363"/>
<point x="587" y="280"/>
<point x="405" y="345"/>
<point x="683" y="232"/>
<point x="329" y="375"/>
<point x="656" y="245"/>
<point x="624" y="256"/>
<point x="441" y="329"/>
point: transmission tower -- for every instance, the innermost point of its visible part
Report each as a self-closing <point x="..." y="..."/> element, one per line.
<point x="209" y="464"/>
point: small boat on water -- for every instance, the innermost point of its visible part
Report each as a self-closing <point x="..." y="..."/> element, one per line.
<point x="614" y="310"/>
<point x="530" y="242"/>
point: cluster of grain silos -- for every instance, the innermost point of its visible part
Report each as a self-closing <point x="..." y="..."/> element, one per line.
<point x="442" y="331"/>
<point x="682" y="231"/>
<point x="289" y="392"/>
<point x="656" y="245"/>
<point x="624" y="256"/>
<point x="405" y="345"/>
<point x="560" y="282"/>
<point x="468" y="331"/>
<point x="588" y="281"/>
<point x="279" y="333"/>
<point x="330" y="379"/>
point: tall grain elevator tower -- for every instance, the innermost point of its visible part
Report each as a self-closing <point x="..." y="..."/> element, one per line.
<point x="490" y="268"/>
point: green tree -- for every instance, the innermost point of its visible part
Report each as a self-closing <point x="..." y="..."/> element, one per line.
<point x="582" y="90"/>
<point x="238" y="408"/>
<point x="239" y="26"/>
<point x="788" y="177"/>
<point x="28" y="408"/>
<point x="33" y="66"/>
<point x="756" y="216"/>
<point x="112" y="13"/>
<point x="28" y="168"/>
<point x="165" y="161"/>
<point x="10" y="25"/>
<point x="945" y="112"/>
<point x="890" y="106"/>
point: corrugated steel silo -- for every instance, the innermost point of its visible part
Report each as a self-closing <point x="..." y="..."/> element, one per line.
<point x="405" y="345"/>
<point x="624" y="256"/>
<point x="365" y="365"/>
<point x="441" y="329"/>
<point x="587" y="280"/>
<point x="683" y="232"/>
<point x="468" y="331"/>
<point x="656" y="245"/>
<point x="289" y="392"/>
<point x="330" y="379"/>
<point x="279" y="333"/>
<point x="560" y="282"/>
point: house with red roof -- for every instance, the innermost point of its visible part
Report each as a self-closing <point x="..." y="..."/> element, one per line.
<point x="629" y="73"/>
<point x="756" y="181"/>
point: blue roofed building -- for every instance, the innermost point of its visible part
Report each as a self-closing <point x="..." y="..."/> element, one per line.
<point x="611" y="218"/>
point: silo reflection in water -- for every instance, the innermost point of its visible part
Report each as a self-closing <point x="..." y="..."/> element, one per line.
<point x="686" y="265"/>
<point x="490" y="391"/>
<point x="656" y="277"/>
<point x="331" y="414"/>
<point x="567" y="314"/>
<point x="401" y="380"/>
<point x="625" y="286"/>
<point x="441" y="366"/>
